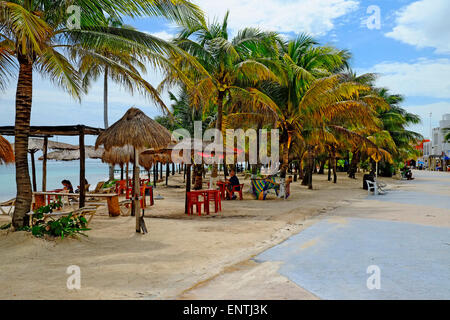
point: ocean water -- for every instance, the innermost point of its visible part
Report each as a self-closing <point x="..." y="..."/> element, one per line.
<point x="56" y="172"/>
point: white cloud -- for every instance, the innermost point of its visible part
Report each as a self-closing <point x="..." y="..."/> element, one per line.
<point x="162" y="34"/>
<point x="421" y="78"/>
<point x="312" y="16"/>
<point x="424" y="23"/>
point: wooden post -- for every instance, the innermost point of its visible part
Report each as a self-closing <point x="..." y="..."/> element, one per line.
<point x="121" y="171"/>
<point x="126" y="174"/>
<point x="173" y="168"/>
<point x="82" y="168"/>
<point x="33" y="171"/>
<point x="136" y="191"/>
<point x="44" y="165"/>
<point x="155" y="173"/>
<point x="188" y="186"/>
<point x="167" y="173"/>
<point x="161" y="170"/>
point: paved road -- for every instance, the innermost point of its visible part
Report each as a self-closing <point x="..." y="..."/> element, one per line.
<point x="405" y="234"/>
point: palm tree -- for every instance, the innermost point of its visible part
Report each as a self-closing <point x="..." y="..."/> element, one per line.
<point x="123" y="67"/>
<point x="34" y="35"/>
<point x="230" y="67"/>
<point x="303" y="72"/>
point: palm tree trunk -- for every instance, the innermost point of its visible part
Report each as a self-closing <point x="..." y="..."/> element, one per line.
<point x="219" y="121"/>
<point x="329" y="167"/>
<point x="311" y="165"/>
<point x="198" y="177"/>
<point x="334" y="161"/>
<point x="307" y="178"/>
<point x="105" y="98"/>
<point x="22" y="132"/>
<point x="354" y="164"/>
<point x="105" y="115"/>
<point x="322" y="166"/>
<point x="285" y="163"/>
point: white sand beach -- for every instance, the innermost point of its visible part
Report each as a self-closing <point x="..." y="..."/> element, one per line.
<point x="185" y="257"/>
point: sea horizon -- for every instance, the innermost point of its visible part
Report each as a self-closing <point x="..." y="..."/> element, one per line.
<point x="56" y="172"/>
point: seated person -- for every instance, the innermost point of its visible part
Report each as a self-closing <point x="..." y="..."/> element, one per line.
<point x="234" y="181"/>
<point x="67" y="186"/>
<point x="408" y="175"/>
<point x="86" y="183"/>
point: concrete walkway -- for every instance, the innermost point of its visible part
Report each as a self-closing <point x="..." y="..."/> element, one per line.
<point x="405" y="235"/>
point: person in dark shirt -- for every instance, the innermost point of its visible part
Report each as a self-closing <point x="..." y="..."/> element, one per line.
<point x="234" y="181"/>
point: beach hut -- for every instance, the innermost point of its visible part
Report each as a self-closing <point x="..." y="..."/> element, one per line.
<point x="6" y="151"/>
<point x="138" y="131"/>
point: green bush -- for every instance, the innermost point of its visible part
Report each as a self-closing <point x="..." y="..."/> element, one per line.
<point x="63" y="227"/>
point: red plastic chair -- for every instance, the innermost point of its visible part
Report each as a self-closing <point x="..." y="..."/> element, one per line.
<point x="193" y="199"/>
<point x="122" y="186"/>
<point x="223" y="188"/>
<point x="214" y="195"/>
<point x="235" y="189"/>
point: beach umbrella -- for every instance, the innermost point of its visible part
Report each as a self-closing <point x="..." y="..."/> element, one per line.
<point x="6" y="151"/>
<point x="140" y="132"/>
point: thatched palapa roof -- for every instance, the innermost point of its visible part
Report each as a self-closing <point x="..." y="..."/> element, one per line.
<point x="6" y="151"/>
<point x="118" y="155"/>
<point x="71" y="155"/>
<point x="134" y="129"/>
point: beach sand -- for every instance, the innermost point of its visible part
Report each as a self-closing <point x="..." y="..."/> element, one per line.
<point x="180" y="254"/>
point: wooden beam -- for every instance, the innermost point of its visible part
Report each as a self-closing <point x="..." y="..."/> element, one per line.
<point x="82" y="167"/>
<point x="44" y="165"/>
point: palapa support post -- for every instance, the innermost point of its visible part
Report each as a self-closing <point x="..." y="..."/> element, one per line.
<point x="155" y="173"/>
<point x="188" y="186"/>
<point x="44" y="165"/>
<point x="82" y="168"/>
<point x="167" y="173"/>
<point x="33" y="171"/>
<point x="136" y="194"/>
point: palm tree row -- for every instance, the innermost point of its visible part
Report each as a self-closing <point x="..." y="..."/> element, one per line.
<point x="298" y="86"/>
<point x="304" y="89"/>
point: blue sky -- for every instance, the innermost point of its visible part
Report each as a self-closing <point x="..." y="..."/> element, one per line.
<point x="410" y="51"/>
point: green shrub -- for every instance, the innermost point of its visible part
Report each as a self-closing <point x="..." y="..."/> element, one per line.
<point x="63" y="227"/>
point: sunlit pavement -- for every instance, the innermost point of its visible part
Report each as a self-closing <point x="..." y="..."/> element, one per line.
<point x="330" y="259"/>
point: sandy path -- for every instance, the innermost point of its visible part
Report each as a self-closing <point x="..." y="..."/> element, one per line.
<point x="179" y="252"/>
<point x="414" y="205"/>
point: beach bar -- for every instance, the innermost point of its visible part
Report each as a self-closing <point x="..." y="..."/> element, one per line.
<point x="46" y="132"/>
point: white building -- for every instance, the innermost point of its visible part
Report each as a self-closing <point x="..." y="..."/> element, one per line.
<point x="437" y="150"/>
<point x="439" y="146"/>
